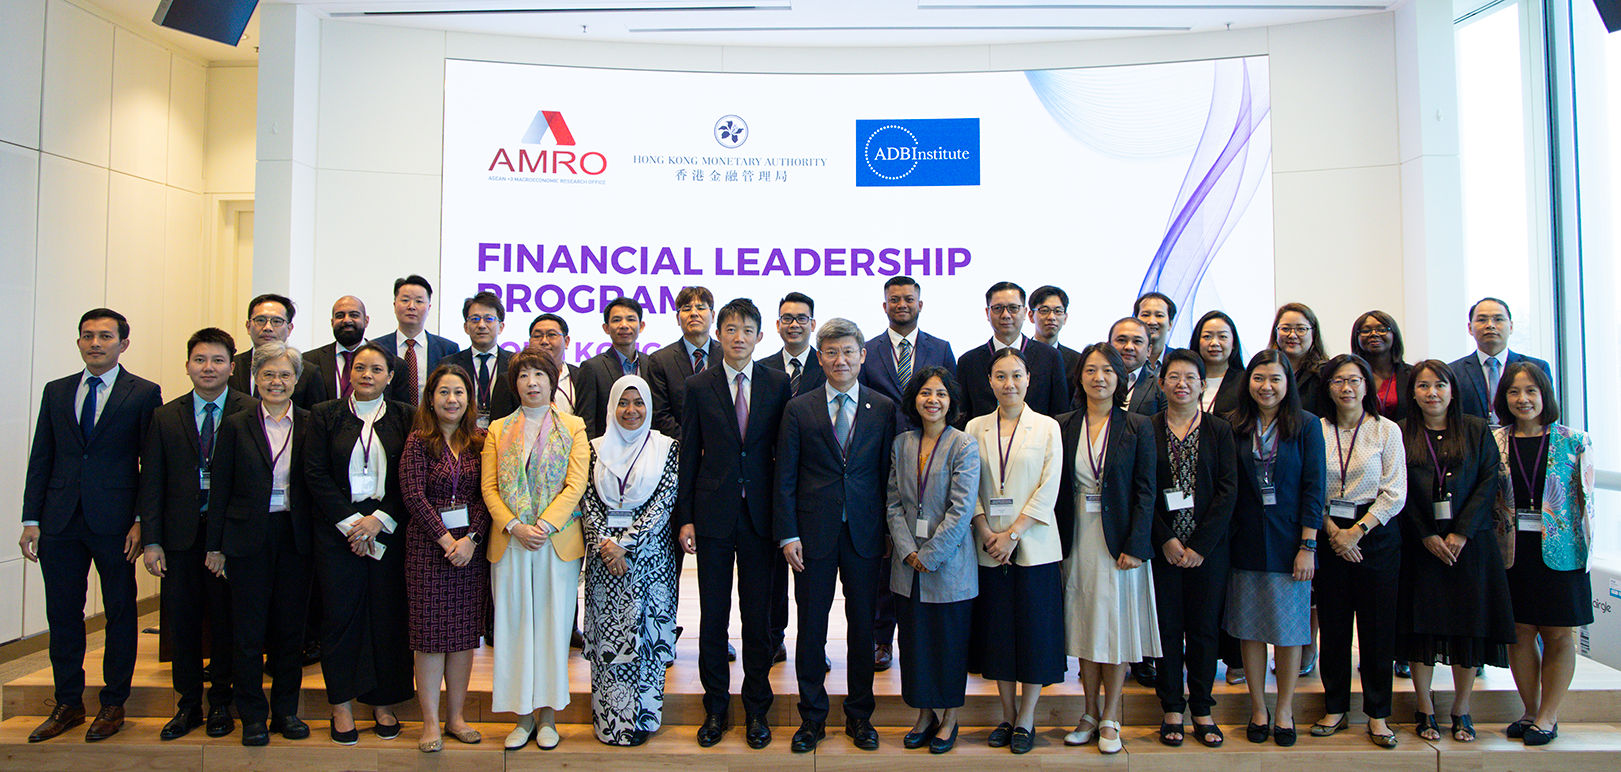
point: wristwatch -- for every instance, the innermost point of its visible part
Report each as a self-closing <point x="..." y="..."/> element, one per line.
<point x="1309" y="545"/>
<point x="1014" y="535"/>
<point x="476" y="537"/>
<point x="1363" y="526"/>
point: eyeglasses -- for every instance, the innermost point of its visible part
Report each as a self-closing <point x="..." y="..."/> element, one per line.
<point x="1368" y="332"/>
<point x="548" y="335"/>
<point x="1012" y="308"/>
<point x="483" y="320"/>
<point x="1050" y="311"/>
<point x="1180" y="378"/>
<point x="800" y="319"/>
<point x="1293" y="330"/>
<point x="273" y="322"/>
<point x="1340" y="383"/>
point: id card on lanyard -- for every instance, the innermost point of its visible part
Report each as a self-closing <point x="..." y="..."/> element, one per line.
<point x="920" y="529"/>
<point x="621" y="518"/>
<point x="1002" y="506"/>
<point x="1442" y="499"/>
<point x="455" y="517"/>
<point x="365" y="484"/>
<point x="1266" y="454"/>
<point x="1528" y="519"/>
<point x="1093" y="503"/>
<point x="278" y="496"/>
<point x="1341" y="507"/>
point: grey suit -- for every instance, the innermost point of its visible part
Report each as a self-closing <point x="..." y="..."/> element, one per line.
<point x="947" y="507"/>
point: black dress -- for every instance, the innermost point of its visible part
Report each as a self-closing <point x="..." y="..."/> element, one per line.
<point x="1542" y="596"/>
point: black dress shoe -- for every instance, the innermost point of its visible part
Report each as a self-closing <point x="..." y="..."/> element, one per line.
<point x="1001" y="735"/>
<point x="108" y="721"/>
<point x="1022" y="741"/>
<point x="255" y="733"/>
<point x="182" y="723"/>
<point x="290" y="727"/>
<point x="388" y="731"/>
<point x="345" y="738"/>
<point x="944" y="744"/>
<point x="882" y="657"/>
<point x="810" y="733"/>
<point x="1144" y="673"/>
<point x="62" y="718"/>
<point x="861" y="733"/>
<point x="219" y="721"/>
<point x="312" y="653"/>
<point x="1404" y="670"/>
<point x="759" y="732"/>
<point x="915" y="740"/>
<point x="638" y="737"/>
<point x="780" y="655"/>
<point x="713" y="729"/>
<point x="731" y="653"/>
<point x="576" y="640"/>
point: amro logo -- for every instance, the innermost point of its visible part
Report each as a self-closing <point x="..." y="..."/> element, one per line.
<point x="548" y="122"/>
<point x="549" y="128"/>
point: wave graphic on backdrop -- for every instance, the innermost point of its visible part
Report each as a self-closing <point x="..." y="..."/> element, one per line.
<point x="1144" y="115"/>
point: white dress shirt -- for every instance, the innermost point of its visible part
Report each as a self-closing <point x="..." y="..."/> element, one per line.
<point x="102" y="391"/>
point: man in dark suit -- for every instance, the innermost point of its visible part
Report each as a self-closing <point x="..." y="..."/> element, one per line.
<point x="1049" y="389"/>
<point x="669" y="368"/>
<point x="728" y="457"/>
<point x="1157" y="312"/>
<point x="1049" y="312"/>
<point x="270" y="318"/>
<point x="349" y="323"/>
<point x="548" y="333"/>
<point x="176" y="476"/>
<point x="833" y="476"/>
<point x="1129" y="338"/>
<point x="79" y="508"/>
<point x="622" y="322"/>
<point x="1491" y="323"/>
<point x="483" y="319"/>
<point x="417" y="348"/>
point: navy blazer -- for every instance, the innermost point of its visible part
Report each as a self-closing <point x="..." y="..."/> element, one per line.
<point x="438" y="348"/>
<point x="1472" y="382"/>
<point x="878" y="371"/>
<point x="1214" y="485"/>
<point x="810" y="378"/>
<point x="311" y="389"/>
<point x="719" y="464"/>
<point x="1471" y="482"/>
<point x="818" y="484"/>
<point x="667" y="371"/>
<point x="169" y="466"/>
<point x="101" y="475"/>
<point x="1049" y="388"/>
<point x="1127" y="488"/>
<point x="1267" y="538"/>
<point x="503" y="397"/>
<point x="239" y="502"/>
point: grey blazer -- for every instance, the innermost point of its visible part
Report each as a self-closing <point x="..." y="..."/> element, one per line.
<point x="948" y="506"/>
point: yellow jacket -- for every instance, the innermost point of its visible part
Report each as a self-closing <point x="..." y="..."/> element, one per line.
<point x="567" y="537"/>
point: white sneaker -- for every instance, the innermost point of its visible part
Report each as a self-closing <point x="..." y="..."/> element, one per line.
<point x="546" y="737"/>
<point x="1082" y="736"/>
<point x="520" y="734"/>
<point x="1105" y="744"/>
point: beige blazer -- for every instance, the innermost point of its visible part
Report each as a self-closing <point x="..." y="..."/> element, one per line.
<point x="1033" y="467"/>
<point x="566" y="539"/>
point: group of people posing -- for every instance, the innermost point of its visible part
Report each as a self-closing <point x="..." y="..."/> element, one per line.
<point x="1023" y="503"/>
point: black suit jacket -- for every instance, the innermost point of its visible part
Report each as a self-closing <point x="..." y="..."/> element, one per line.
<point x="719" y="464"/>
<point x="503" y="398"/>
<point x="1230" y="394"/>
<point x="169" y="501"/>
<point x="101" y="474"/>
<point x="1215" y="485"/>
<point x="593" y="380"/>
<point x="667" y="371"/>
<point x="1049" y="388"/>
<point x="819" y="485"/>
<point x="1072" y="362"/>
<point x="1471" y="482"/>
<point x="810" y="378"/>
<point x="310" y="390"/>
<point x="239" y="502"/>
<point x="325" y="359"/>
<point x="1146" y="398"/>
<point x="330" y="438"/>
<point x="1128" y="483"/>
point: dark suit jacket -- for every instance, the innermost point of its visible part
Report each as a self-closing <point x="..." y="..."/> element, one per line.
<point x="1230" y="393"/>
<point x="593" y="380"/>
<point x="1397" y="411"/>
<point x="310" y="390"/>
<point x="1472" y="382"/>
<point x="169" y="466"/>
<point x="1312" y="399"/>
<point x="101" y="474"/>
<point x="1215" y="485"/>
<point x="1146" y="398"/>
<point x="878" y="371"/>
<point x="326" y="360"/>
<point x="239" y="502"/>
<point x="438" y="348"/>
<point x="503" y="398"/>
<point x="1471" y="482"/>
<point x="1049" y="388"/>
<point x="1128" y="483"/>
<point x="667" y="371"/>
<point x="810" y="378"/>
<point x="818" y="485"/>
<point x="328" y="441"/>
<point x="718" y="464"/>
<point x="1072" y="362"/>
<point x="1267" y="538"/>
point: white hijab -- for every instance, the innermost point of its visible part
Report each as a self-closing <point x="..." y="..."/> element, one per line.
<point x="622" y="455"/>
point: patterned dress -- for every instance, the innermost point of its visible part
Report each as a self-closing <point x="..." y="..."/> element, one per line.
<point x="630" y="620"/>
<point x="449" y="606"/>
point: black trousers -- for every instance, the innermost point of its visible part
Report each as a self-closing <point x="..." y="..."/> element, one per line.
<point x="751" y="553"/>
<point x="1364" y="591"/>
<point x="779" y="598"/>
<point x="1189" y="602"/>
<point x="192" y="594"/>
<point x="883" y="617"/>
<point x="270" y="592"/>
<point x="64" y="563"/>
<point x="813" y="593"/>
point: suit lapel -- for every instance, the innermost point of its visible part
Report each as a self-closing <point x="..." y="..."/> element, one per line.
<point x="826" y="423"/>
<point x="262" y="442"/>
<point x="188" y="424"/>
<point x="121" y="389"/>
<point x="723" y="391"/>
<point x="894" y="375"/>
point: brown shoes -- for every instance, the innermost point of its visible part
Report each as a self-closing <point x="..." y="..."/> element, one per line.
<point x="107" y="723"/>
<point x="63" y="718"/>
<point x="882" y="657"/>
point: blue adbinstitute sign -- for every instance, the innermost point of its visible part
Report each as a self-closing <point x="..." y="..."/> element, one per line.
<point x="921" y="152"/>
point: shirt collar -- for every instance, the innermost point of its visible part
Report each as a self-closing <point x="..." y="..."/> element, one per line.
<point x="264" y="415"/>
<point x="107" y="378"/>
<point x="803" y="359"/>
<point x="621" y="357"/>
<point x="747" y="372"/>
<point x="833" y="394"/>
<point x="197" y="402"/>
<point x="687" y="344"/>
<point x="494" y="351"/>
<point x="998" y="345"/>
<point x="1481" y="356"/>
<point x="895" y="338"/>
<point x="421" y="339"/>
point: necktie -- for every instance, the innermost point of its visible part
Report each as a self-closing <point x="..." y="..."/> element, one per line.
<point x="793" y="375"/>
<point x="904" y="366"/>
<point x="698" y="361"/>
<point x="343" y="374"/>
<point x="205" y="436"/>
<point x="411" y="370"/>
<point x="87" y="414"/>
<point x="1494" y="371"/>
<point x="841" y="424"/>
<point x="741" y="402"/>
<point x="484" y="382"/>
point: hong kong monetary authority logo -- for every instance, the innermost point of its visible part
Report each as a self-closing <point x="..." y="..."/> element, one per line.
<point x="731" y="131"/>
<point x="921" y="152"/>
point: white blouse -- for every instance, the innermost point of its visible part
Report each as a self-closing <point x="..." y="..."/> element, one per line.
<point x="1375" y="467"/>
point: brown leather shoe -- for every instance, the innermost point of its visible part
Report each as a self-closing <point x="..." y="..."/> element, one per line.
<point x="882" y="657"/>
<point x="107" y="723"/>
<point x="63" y="718"/>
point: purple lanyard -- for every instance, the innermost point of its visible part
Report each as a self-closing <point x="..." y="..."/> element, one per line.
<point x="456" y="476"/>
<point x="1440" y="470"/>
<point x="1531" y="493"/>
<point x="633" y="459"/>
<point x="1096" y="463"/>
<point x="370" y="428"/>
<point x="923" y="478"/>
<point x="1003" y="453"/>
<point x="284" y="442"/>
<point x="1266" y="453"/>
<point x="1345" y="463"/>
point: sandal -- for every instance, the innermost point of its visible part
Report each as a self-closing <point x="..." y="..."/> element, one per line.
<point x="1424" y="726"/>
<point x="1463" y="729"/>
<point x="1165" y="732"/>
<point x="1209" y="734"/>
<point x="1517" y="729"/>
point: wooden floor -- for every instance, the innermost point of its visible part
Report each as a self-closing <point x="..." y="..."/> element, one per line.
<point x="1590" y="740"/>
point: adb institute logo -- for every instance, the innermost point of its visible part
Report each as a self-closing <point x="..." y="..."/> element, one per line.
<point x="923" y="152"/>
<point x="549" y="128"/>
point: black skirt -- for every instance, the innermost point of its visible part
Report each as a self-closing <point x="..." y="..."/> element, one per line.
<point x="1545" y="597"/>
<point x="1454" y="615"/>
<point x="934" y="649"/>
<point x="1018" y="631"/>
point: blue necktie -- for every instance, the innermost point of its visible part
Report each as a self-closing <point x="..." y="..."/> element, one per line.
<point x="87" y="414"/>
<point x="205" y="436"/>
<point x="841" y="425"/>
<point x="1494" y="371"/>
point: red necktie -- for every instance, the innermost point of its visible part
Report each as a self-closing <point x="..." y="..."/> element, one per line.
<point x="343" y="374"/>
<point x="411" y="370"/>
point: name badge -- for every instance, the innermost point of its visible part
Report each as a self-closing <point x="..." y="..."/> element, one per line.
<point x="1176" y="500"/>
<point x="1003" y="508"/>
<point x="620" y="518"/>
<point x="202" y="479"/>
<point x="362" y="484"/>
<point x="454" y="518"/>
<point x="1528" y="519"/>
<point x="1443" y="510"/>
<point x="922" y="529"/>
<point x="1269" y="496"/>
<point x="1094" y="503"/>
<point x="1340" y="508"/>
<point x="278" y="498"/>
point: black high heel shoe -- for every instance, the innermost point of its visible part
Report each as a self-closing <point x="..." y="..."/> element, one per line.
<point x="939" y="745"/>
<point x="915" y="740"/>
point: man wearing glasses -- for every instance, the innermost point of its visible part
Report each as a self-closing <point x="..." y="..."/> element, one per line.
<point x="270" y="318"/>
<point x="1049" y="391"/>
<point x="548" y="333"/>
<point x="1049" y="312"/>
<point x="483" y="319"/>
<point x="796" y="321"/>
<point x="671" y="366"/>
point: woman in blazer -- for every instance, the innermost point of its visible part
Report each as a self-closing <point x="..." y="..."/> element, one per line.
<point x="1215" y="340"/>
<point x="1377" y="339"/>
<point x="1281" y="475"/>
<point x="1296" y="332"/>
<point x="259" y="522"/>
<point x="1454" y="602"/>
<point x="1105" y="513"/>
<point x="1018" y="637"/>
<point x="534" y="473"/>
<point x="933" y="485"/>
<point x="1545" y="531"/>
<point x="352" y="462"/>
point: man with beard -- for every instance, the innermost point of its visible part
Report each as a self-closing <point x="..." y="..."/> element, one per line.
<point x="270" y="318"/>
<point x="349" y="322"/>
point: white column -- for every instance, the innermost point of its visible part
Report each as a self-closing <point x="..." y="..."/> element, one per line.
<point x="284" y="195"/>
